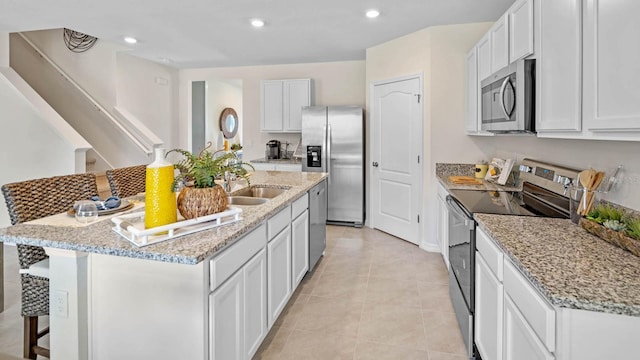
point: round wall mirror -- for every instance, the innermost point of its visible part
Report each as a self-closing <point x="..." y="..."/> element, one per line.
<point x="229" y="123"/>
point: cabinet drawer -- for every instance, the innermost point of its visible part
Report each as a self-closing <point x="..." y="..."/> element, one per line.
<point x="232" y="259"/>
<point x="490" y="252"/>
<point x="278" y="222"/>
<point x="299" y="206"/>
<point x="536" y="310"/>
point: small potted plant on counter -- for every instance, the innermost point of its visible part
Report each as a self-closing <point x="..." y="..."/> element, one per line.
<point x="201" y="195"/>
<point x="614" y="225"/>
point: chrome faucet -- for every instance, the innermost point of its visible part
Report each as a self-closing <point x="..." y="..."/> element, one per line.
<point x="226" y="185"/>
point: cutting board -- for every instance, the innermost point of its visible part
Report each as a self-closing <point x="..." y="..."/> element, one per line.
<point x="465" y="180"/>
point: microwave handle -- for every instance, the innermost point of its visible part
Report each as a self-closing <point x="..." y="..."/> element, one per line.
<point x="507" y="116"/>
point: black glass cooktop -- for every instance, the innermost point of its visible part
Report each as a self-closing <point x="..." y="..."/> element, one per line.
<point x="492" y="202"/>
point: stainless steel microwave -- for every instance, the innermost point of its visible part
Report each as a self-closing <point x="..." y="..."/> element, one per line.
<point x="508" y="99"/>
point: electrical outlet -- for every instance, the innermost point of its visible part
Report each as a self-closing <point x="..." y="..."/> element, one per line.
<point x="60" y="304"/>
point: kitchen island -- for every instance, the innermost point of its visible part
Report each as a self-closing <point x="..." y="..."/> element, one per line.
<point x="112" y="300"/>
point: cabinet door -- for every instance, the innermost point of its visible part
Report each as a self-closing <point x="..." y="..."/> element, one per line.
<point x="300" y="247"/>
<point x="278" y="273"/>
<point x="500" y="44"/>
<point x="520" y="342"/>
<point x="611" y="65"/>
<point x="559" y="66"/>
<point x="255" y="302"/>
<point x="264" y="166"/>
<point x="489" y="310"/>
<point x="297" y="94"/>
<point x="484" y="57"/>
<point x="442" y="229"/>
<point x="272" y="102"/>
<point x="226" y="306"/>
<point x="289" y="167"/>
<point x="473" y="86"/>
<point x="520" y="30"/>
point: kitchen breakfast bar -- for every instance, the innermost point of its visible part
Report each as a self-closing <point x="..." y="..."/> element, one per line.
<point x="110" y="299"/>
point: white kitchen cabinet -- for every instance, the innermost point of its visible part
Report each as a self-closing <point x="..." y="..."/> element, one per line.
<point x="488" y="311"/>
<point x="289" y="167"/>
<point x="281" y="104"/>
<point x="484" y="58"/>
<point x="443" y="224"/>
<point x="274" y="166"/>
<point x="500" y="43"/>
<point x="255" y="303"/>
<point x="520" y="30"/>
<point x="520" y="341"/>
<point x="264" y="166"/>
<point x="299" y="247"/>
<point x="610" y="58"/>
<point x="227" y="320"/>
<point x="278" y="273"/>
<point x="558" y="67"/>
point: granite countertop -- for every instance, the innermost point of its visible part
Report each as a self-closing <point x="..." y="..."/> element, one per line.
<point x="294" y="161"/>
<point x="570" y="267"/>
<point x="189" y="249"/>
<point x="443" y="171"/>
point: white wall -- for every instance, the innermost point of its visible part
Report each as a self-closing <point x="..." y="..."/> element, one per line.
<point x="335" y="83"/>
<point x="439" y="52"/>
<point x="222" y="94"/>
<point x="30" y="146"/>
<point x="146" y="89"/>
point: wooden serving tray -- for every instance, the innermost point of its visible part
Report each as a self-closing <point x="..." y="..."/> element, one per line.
<point x="465" y="180"/>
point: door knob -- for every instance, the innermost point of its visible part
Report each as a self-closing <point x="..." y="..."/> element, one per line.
<point x="375" y="164"/>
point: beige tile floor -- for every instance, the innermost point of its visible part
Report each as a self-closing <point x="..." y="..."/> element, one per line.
<point x="372" y="296"/>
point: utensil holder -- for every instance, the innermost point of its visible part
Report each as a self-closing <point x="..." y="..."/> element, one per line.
<point x="581" y="200"/>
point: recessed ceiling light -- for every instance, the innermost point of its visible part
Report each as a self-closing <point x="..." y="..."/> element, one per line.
<point x="372" y="14"/>
<point x="130" y="40"/>
<point x="257" y="23"/>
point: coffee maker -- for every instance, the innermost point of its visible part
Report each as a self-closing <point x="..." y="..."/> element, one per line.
<point x="273" y="150"/>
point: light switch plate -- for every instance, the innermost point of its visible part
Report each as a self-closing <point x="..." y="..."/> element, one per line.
<point x="60" y="304"/>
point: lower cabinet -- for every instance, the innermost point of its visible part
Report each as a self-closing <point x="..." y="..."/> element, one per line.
<point x="278" y="273"/>
<point x="488" y="311"/>
<point x="277" y="167"/>
<point x="520" y="341"/>
<point x="300" y="247"/>
<point x="255" y="303"/>
<point x="442" y="225"/>
<point x="227" y="319"/>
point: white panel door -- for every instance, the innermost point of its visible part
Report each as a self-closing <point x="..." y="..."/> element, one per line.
<point x="278" y="273"/>
<point x="299" y="248"/>
<point x="473" y="87"/>
<point x="396" y="151"/>
<point x="500" y="44"/>
<point x="520" y="30"/>
<point x="559" y="66"/>
<point x="272" y="102"/>
<point x="520" y="341"/>
<point x="227" y="320"/>
<point x="611" y="65"/>
<point x="255" y="303"/>
<point x="489" y="310"/>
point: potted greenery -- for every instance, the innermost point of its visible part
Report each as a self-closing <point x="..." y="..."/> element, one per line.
<point x="202" y="195"/>
<point x="615" y="226"/>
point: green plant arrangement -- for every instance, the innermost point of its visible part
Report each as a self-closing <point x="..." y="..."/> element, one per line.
<point x="612" y="224"/>
<point x="236" y="147"/>
<point x="202" y="196"/>
<point x="602" y="212"/>
<point x="633" y="228"/>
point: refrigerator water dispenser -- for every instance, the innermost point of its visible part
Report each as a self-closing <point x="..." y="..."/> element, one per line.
<point x="314" y="156"/>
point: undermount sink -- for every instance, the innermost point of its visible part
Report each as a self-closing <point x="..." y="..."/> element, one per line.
<point x="259" y="192"/>
<point x="246" y="200"/>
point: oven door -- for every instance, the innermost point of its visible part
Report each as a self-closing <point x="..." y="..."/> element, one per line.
<point x="461" y="273"/>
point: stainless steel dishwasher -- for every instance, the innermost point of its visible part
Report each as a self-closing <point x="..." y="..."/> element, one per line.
<point x="317" y="222"/>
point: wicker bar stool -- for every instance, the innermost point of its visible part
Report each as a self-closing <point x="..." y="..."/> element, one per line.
<point x="127" y="181"/>
<point x="30" y="200"/>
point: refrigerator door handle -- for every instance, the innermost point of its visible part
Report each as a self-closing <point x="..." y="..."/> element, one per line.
<point x="327" y="135"/>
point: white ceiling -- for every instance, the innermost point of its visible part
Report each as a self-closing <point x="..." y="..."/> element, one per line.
<point x="216" y="33"/>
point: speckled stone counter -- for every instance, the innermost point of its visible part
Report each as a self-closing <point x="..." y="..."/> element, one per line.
<point x="443" y="171"/>
<point x="189" y="249"/>
<point x="292" y="161"/>
<point x="570" y="267"/>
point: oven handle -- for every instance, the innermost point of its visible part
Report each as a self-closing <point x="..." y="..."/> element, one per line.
<point x="454" y="207"/>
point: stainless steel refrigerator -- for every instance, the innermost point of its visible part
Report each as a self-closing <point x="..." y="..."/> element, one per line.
<point x="333" y="142"/>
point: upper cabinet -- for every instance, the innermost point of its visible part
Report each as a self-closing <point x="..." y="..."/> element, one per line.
<point x="520" y="30"/>
<point x="611" y="58"/>
<point x="484" y="57"/>
<point x="471" y="122"/>
<point x="500" y="43"/>
<point x="281" y="104"/>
